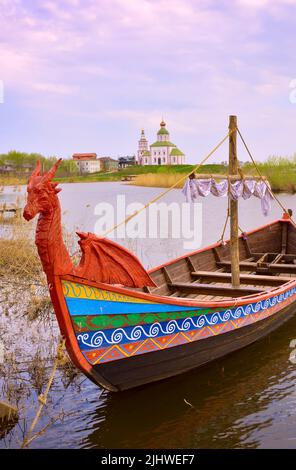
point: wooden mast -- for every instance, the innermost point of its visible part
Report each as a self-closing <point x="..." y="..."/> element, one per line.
<point x="233" y="205"/>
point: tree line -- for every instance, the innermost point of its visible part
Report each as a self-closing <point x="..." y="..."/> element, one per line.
<point x="22" y="161"/>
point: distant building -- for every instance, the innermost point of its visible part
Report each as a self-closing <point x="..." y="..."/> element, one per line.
<point x="108" y="164"/>
<point x="124" y="162"/>
<point x="143" y="150"/>
<point x="27" y="167"/>
<point x="7" y="168"/>
<point x="87" y="162"/>
<point x="161" y="152"/>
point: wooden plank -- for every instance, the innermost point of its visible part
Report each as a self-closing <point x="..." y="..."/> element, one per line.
<point x="272" y="268"/>
<point x="167" y="275"/>
<point x="284" y="237"/>
<point x="214" y="289"/>
<point x="286" y="257"/>
<point x="255" y="279"/>
<point x="7" y="411"/>
<point x="247" y="247"/>
<point x="277" y="259"/>
<point x="216" y="254"/>
<point x="190" y="263"/>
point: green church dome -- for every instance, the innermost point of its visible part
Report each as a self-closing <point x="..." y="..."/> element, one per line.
<point x="176" y="152"/>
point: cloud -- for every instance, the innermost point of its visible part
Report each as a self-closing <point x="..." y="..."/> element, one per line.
<point x="55" y="88"/>
<point x="105" y="63"/>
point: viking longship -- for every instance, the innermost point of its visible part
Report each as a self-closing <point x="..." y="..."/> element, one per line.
<point x="125" y="327"/>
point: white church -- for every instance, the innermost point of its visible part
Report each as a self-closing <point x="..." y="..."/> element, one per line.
<point x="162" y="152"/>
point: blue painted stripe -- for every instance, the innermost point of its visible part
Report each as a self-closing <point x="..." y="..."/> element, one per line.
<point x="100" y="339"/>
<point x="102" y="307"/>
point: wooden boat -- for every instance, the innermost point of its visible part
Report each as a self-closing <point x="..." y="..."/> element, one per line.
<point x="173" y="318"/>
<point x="122" y="338"/>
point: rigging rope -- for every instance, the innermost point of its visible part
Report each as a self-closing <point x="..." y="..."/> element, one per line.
<point x="127" y="219"/>
<point x="265" y="181"/>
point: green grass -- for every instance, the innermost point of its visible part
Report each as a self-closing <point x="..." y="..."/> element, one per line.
<point x="280" y="171"/>
<point x="140" y="170"/>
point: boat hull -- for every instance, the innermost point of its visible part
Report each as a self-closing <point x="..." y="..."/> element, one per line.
<point x="143" y="369"/>
<point x="121" y="339"/>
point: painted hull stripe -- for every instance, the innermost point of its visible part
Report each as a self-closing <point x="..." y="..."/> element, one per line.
<point x="101" y="307"/>
<point x="82" y="291"/>
<point x="96" y="322"/>
<point x="113" y="336"/>
<point x="103" y="338"/>
<point x="123" y="351"/>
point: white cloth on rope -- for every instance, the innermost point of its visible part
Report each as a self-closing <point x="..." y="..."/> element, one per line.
<point x="236" y="189"/>
<point x="249" y="188"/>
<point x="240" y="188"/>
<point x="219" y="189"/>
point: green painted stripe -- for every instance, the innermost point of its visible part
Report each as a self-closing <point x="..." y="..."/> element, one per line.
<point x="94" y="322"/>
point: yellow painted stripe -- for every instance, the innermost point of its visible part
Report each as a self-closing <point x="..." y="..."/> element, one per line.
<point x="82" y="291"/>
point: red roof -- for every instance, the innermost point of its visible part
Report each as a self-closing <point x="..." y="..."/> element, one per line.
<point x="84" y="156"/>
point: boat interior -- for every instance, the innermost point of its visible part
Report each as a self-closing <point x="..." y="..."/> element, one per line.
<point x="267" y="261"/>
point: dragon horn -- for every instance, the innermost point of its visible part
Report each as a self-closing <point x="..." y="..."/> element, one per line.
<point x="50" y="174"/>
<point x="36" y="172"/>
<point x="82" y="235"/>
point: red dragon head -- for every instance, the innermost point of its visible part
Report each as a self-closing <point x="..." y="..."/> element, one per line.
<point x="41" y="191"/>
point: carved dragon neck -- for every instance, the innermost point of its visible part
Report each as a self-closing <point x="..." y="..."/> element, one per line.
<point x="50" y="244"/>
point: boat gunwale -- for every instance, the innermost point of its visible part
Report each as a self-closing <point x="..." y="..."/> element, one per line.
<point x="189" y="302"/>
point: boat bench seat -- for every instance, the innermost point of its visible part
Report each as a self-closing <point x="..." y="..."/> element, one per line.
<point x="214" y="289"/>
<point x="256" y="279"/>
<point x="266" y="267"/>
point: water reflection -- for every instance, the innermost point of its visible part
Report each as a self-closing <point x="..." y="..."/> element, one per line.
<point x="230" y="403"/>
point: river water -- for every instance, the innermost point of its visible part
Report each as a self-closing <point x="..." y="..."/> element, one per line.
<point x="247" y="399"/>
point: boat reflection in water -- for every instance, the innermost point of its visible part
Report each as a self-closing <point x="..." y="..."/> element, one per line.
<point x="245" y="400"/>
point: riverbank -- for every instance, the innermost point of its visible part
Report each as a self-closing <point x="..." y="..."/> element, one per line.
<point x="280" y="172"/>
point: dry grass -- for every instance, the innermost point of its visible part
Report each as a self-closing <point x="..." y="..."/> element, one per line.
<point x="40" y="307"/>
<point x="6" y="180"/>
<point x="38" y="372"/>
<point x="18" y="254"/>
<point x="159" y="180"/>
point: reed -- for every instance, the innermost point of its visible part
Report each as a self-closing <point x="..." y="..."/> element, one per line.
<point x="280" y="172"/>
<point x="18" y="254"/>
<point x="158" y="180"/>
<point x="168" y="176"/>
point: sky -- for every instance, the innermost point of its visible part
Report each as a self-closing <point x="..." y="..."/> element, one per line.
<point x="87" y="75"/>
